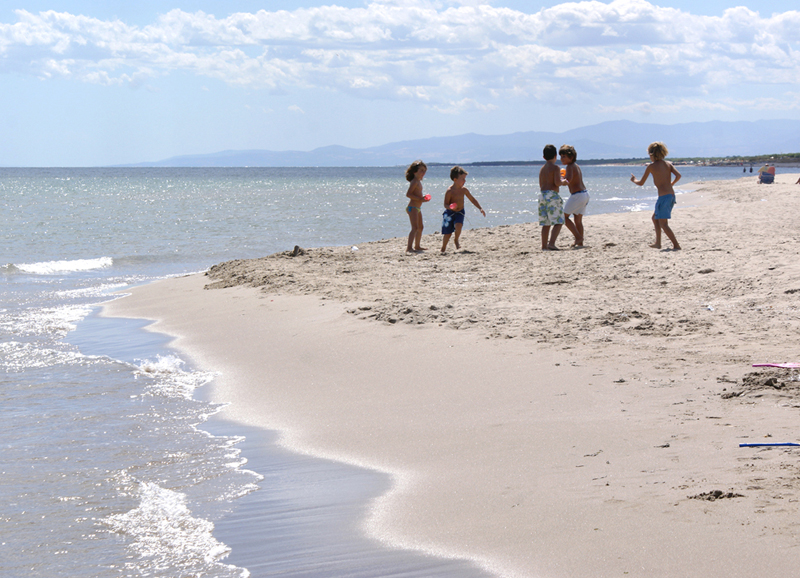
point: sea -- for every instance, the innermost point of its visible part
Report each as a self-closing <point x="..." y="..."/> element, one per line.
<point x="113" y="462"/>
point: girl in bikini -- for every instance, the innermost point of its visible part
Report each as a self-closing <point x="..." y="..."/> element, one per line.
<point x="414" y="175"/>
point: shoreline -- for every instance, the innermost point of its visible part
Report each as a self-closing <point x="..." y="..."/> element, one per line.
<point x="291" y="528"/>
<point x="529" y="401"/>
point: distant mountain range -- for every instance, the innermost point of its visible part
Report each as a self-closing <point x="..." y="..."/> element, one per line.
<point x="608" y="140"/>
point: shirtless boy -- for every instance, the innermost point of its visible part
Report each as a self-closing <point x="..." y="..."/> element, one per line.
<point x="662" y="172"/>
<point x="551" y="207"/>
<point x="454" y="211"/>
<point x="578" y="197"/>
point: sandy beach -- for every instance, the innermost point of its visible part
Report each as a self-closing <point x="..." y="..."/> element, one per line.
<point x="542" y="414"/>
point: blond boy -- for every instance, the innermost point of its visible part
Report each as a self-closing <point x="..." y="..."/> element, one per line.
<point x="662" y="172"/>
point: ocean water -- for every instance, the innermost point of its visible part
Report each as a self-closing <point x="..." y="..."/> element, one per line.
<point x="112" y="462"/>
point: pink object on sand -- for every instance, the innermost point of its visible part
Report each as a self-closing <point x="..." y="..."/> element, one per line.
<point x="453" y="207"/>
<point x="784" y="365"/>
<point x="426" y="198"/>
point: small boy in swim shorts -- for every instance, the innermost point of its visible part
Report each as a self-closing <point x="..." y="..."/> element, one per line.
<point x="578" y="197"/>
<point x="662" y="172"/>
<point x="454" y="211"/>
<point x="551" y="207"/>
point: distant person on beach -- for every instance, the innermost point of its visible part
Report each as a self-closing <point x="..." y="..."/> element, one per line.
<point x="414" y="175"/>
<point x="766" y="174"/>
<point x="551" y="207"/>
<point x="662" y="172"/>
<point x="578" y="197"/>
<point x="454" y="210"/>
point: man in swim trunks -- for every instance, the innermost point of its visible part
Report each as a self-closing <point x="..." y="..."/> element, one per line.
<point x="578" y="197"/>
<point x="551" y="207"/>
<point x="662" y="172"/>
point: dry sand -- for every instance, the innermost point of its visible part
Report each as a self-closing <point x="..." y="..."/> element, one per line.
<point x="544" y="414"/>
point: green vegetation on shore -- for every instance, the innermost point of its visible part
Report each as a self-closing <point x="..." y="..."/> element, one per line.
<point x="786" y="159"/>
<point x="776" y="159"/>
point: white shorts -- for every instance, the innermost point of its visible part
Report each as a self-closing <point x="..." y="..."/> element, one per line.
<point x="576" y="203"/>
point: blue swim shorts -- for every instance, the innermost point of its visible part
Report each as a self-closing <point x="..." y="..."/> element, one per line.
<point x="449" y="220"/>
<point x="664" y="206"/>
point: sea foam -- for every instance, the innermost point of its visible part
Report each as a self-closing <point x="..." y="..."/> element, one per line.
<point x="70" y="266"/>
<point x="163" y="533"/>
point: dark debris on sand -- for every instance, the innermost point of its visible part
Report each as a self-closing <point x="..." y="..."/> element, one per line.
<point x="715" y="495"/>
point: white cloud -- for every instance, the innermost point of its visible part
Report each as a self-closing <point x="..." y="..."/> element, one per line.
<point x="451" y="56"/>
<point x="788" y="102"/>
<point x="455" y="107"/>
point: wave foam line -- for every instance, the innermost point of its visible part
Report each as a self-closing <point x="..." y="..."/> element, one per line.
<point x="70" y="266"/>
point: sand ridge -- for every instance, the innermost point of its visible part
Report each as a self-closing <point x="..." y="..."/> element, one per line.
<point x="737" y="278"/>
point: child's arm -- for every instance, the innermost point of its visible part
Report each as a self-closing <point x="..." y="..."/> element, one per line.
<point x="447" y="199"/>
<point x="569" y="173"/>
<point x="415" y="190"/>
<point x="474" y="202"/>
<point x="675" y="172"/>
<point x="644" y="177"/>
<point x="557" y="180"/>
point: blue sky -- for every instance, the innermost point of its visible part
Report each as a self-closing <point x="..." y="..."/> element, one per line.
<point x="90" y="83"/>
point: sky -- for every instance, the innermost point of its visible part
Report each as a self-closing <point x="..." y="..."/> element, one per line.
<point x="98" y="83"/>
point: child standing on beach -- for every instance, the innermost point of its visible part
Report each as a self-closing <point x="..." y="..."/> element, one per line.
<point x="662" y="172"/>
<point x="551" y="207"/>
<point x="578" y="197"/>
<point x="454" y="210"/>
<point x="414" y="175"/>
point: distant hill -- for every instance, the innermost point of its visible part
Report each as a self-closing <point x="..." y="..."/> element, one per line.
<point x="608" y="140"/>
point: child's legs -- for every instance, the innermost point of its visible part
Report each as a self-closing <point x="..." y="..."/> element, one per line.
<point x="445" y="240"/>
<point x="579" y="227"/>
<point x="458" y="234"/>
<point x="664" y="224"/>
<point x="554" y="235"/>
<point x="657" y="226"/>
<point x="412" y="217"/>
<point x="419" y="227"/>
<point x="545" y="235"/>
<point x="572" y="226"/>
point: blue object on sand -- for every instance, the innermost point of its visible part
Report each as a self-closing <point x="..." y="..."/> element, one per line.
<point x="766" y="445"/>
